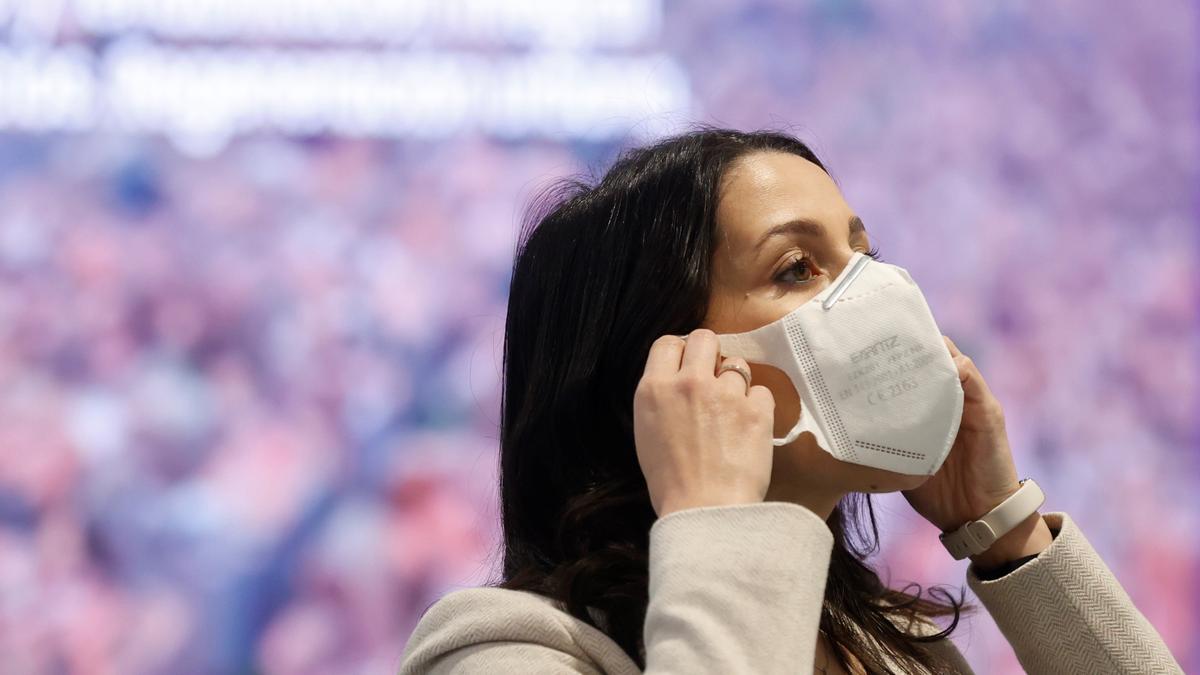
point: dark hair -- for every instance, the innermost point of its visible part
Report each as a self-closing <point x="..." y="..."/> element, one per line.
<point x="603" y="268"/>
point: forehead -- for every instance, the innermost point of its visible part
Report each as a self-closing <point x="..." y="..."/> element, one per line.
<point x="767" y="188"/>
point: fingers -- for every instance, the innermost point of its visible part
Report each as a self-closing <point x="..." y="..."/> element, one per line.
<point x="762" y="400"/>
<point x="965" y="366"/>
<point x="974" y="386"/>
<point x="700" y="356"/>
<point x="961" y="361"/>
<point x="665" y="355"/>
<point x="733" y="379"/>
<point x="951" y="346"/>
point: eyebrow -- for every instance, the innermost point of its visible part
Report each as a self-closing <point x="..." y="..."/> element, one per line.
<point x="807" y="228"/>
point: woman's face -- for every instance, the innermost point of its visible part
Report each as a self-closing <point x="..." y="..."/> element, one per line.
<point x="784" y="233"/>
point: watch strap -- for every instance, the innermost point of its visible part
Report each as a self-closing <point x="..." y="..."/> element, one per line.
<point x="978" y="536"/>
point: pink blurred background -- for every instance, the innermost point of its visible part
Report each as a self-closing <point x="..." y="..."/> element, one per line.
<point x="255" y="256"/>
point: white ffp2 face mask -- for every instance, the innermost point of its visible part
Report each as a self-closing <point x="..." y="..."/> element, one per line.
<point x="877" y="384"/>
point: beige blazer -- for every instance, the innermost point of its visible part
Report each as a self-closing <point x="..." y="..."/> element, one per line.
<point x="739" y="589"/>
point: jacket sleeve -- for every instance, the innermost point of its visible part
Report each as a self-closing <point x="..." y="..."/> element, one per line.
<point x="736" y="589"/>
<point x="1064" y="612"/>
<point x="508" y="657"/>
<point x="733" y="589"/>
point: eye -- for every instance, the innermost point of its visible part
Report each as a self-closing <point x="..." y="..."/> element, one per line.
<point x="873" y="253"/>
<point x="799" y="265"/>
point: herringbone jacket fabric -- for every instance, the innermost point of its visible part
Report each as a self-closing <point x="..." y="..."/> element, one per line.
<point x="739" y="589"/>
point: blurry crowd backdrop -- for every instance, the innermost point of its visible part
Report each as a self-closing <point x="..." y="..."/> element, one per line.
<point x="254" y="259"/>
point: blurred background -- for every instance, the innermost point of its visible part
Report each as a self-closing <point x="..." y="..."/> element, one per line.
<point x="254" y="260"/>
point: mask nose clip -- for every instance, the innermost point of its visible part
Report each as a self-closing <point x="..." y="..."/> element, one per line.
<point x="844" y="284"/>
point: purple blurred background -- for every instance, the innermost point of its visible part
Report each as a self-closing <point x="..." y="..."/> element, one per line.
<point x="255" y="257"/>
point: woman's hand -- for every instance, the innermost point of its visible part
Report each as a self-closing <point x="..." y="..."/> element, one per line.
<point x="702" y="440"/>
<point x="979" y="472"/>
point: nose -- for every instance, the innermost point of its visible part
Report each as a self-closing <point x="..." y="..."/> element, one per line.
<point x="844" y="259"/>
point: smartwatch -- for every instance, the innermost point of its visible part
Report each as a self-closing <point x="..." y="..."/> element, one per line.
<point x="978" y="536"/>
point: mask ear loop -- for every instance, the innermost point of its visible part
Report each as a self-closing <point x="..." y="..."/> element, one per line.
<point x="755" y="347"/>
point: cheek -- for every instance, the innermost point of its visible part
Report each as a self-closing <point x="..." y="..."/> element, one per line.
<point x="787" y="400"/>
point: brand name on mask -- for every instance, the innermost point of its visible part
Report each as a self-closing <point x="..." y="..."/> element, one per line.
<point x="886" y="371"/>
<point x="884" y="345"/>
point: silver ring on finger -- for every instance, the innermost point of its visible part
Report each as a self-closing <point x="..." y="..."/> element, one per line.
<point x="737" y="368"/>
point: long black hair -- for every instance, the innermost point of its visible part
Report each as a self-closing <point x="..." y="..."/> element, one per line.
<point x="603" y="267"/>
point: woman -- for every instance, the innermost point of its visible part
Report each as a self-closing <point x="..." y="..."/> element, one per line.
<point x="650" y="523"/>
